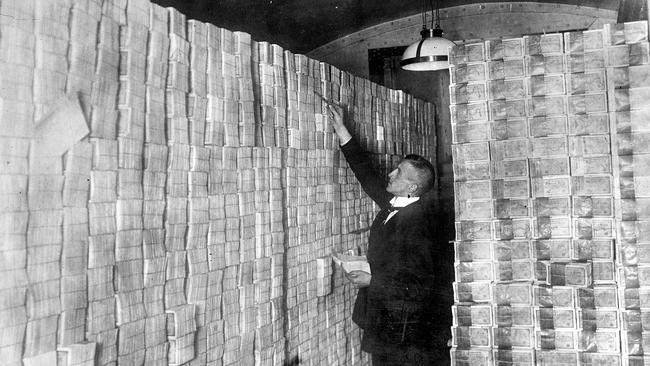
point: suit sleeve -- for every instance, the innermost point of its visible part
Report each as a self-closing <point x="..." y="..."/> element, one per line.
<point x="373" y="184"/>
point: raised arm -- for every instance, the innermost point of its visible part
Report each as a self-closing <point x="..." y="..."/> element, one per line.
<point x="372" y="182"/>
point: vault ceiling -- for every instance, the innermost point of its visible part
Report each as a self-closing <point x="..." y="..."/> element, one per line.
<point x="302" y="25"/>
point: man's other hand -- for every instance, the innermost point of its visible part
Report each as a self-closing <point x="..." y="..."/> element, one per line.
<point x="359" y="279"/>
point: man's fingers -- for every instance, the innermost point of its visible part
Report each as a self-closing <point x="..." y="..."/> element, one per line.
<point x="357" y="275"/>
<point x="352" y="276"/>
<point x="336" y="104"/>
<point x="330" y="113"/>
<point x="334" y="114"/>
<point x="328" y="101"/>
<point x="332" y="109"/>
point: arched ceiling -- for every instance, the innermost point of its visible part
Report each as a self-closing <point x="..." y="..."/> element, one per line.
<point x="303" y="25"/>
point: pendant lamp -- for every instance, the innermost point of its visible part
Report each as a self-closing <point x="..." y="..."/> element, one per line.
<point x="431" y="52"/>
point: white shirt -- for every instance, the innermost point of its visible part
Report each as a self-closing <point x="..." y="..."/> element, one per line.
<point x="400" y="202"/>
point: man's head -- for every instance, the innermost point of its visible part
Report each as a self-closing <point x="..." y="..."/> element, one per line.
<point x="413" y="177"/>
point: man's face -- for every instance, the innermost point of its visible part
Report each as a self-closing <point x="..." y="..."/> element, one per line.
<point x="401" y="181"/>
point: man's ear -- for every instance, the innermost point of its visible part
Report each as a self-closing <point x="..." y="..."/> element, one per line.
<point x="413" y="187"/>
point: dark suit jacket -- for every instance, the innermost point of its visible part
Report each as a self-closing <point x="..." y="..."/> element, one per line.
<point x="395" y="310"/>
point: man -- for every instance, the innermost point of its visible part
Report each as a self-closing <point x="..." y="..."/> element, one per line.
<point x="394" y="304"/>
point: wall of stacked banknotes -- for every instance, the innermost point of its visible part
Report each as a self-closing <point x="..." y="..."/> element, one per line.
<point x="550" y="148"/>
<point x="193" y="222"/>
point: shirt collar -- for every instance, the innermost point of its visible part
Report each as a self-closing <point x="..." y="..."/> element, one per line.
<point x="403" y="201"/>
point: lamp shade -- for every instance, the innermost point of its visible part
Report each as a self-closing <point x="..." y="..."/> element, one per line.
<point x="430" y="53"/>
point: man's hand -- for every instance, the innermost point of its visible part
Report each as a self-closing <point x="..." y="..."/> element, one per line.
<point x="335" y="114"/>
<point x="359" y="279"/>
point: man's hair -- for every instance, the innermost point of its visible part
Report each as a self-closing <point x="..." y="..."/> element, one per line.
<point x="426" y="173"/>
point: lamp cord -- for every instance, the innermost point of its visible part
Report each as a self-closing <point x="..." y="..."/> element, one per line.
<point x="437" y="17"/>
<point x="424" y="17"/>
